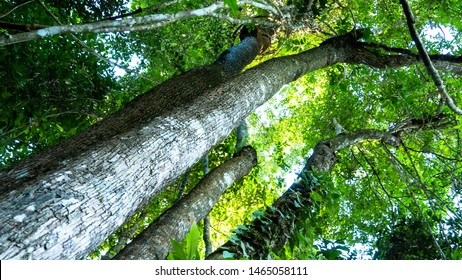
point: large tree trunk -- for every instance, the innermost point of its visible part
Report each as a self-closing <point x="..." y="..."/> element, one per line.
<point x="154" y="242"/>
<point x="65" y="206"/>
<point x="136" y="117"/>
<point x="62" y="203"/>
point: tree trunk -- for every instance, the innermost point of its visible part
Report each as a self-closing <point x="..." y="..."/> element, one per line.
<point x="137" y="115"/>
<point x="62" y="204"/>
<point x="175" y="223"/>
<point x="271" y="231"/>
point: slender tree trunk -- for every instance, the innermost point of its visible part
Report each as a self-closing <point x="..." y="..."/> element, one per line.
<point x="62" y="204"/>
<point x="175" y="223"/>
<point x="271" y="231"/>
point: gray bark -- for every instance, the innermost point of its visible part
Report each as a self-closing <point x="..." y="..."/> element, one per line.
<point x="175" y="223"/>
<point x="63" y="203"/>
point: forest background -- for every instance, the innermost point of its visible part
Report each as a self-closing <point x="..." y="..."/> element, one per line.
<point x="378" y="201"/>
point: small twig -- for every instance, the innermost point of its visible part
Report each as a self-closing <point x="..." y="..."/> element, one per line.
<point x="142" y="10"/>
<point x="426" y="59"/>
<point x="15" y="7"/>
<point x="21" y="27"/>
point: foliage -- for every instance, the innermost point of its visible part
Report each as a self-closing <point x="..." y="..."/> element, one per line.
<point x="407" y="240"/>
<point x="232" y="5"/>
<point x="188" y="251"/>
<point x="50" y="89"/>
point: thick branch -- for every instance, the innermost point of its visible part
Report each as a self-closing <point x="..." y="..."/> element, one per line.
<point x="443" y="62"/>
<point x="433" y="57"/>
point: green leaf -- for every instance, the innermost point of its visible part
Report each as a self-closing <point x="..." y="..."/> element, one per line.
<point x="232" y="5"/>
<point x="228" y="255"/>
<point x="178" y="251"/>
<point x="192" y="242"/>
<point x="316" y="196"/>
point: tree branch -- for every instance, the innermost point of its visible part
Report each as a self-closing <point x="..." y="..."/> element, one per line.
<point x="15" y="7"/>
<point x="21" y="27"/>
<point x="434" y="57"/>
<point x="426" y="59"/>
<point x="129" y="24"/>
<point x="376" y="60"/>
<point x="142" y="10"/>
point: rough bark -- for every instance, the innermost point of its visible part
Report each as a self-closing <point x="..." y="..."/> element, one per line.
<point x="174" y="93"/>
<point x="175" y="223"/>
<point x="60" y="204"/>
<point x="271" y="231"/>
<point x="65" y="202"/>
